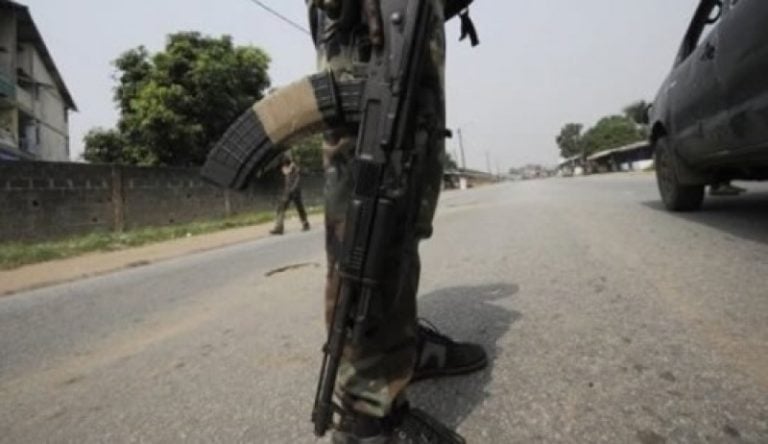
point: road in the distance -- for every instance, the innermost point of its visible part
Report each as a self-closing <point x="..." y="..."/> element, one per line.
<point x="608" y="319"/>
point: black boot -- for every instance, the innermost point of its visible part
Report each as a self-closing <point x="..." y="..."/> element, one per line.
<point x="403" y="426"/>
<point x="441" y="356"/>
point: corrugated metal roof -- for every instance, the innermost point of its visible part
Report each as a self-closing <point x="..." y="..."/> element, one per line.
<point x="630" y="147"/>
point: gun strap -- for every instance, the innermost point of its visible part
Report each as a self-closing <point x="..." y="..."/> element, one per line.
<point x="468" y="28"/>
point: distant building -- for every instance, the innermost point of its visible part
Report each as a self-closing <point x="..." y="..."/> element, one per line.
<point x="464" y="178"/>
<point x="632" y="157"/>
<point x="34" y="101"/>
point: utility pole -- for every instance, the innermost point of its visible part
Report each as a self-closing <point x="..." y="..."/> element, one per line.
<point x="461" y="147"/>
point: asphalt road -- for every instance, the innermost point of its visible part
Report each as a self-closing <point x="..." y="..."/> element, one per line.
<point x="608" y="320"/>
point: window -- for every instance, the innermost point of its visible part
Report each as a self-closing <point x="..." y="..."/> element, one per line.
<point x="711" y="23"/>
<point x="704" y="22"/>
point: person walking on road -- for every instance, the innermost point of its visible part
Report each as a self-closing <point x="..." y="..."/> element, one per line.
<point x="291" y="193"/>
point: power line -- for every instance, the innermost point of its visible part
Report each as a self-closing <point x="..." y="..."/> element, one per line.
<point x="281" y="17"/>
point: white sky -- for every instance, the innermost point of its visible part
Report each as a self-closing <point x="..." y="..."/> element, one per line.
<point x="541" y="64"/>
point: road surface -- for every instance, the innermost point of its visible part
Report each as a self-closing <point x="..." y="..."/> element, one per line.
<point x="608" y="320"/>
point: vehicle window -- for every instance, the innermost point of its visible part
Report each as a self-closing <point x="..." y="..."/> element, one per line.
<point x="713" y="19"/>
<point x="706" y="20"/>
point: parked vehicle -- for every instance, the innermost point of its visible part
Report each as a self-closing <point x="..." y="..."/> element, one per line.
<point x="710" y="117"/>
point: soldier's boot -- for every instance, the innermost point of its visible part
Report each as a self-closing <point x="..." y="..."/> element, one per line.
<point x="305" y="225"/>
<point x="725" y="189"/>
<point x="440" y="356"/>
<point x="403" y="426"/>
<point x="277" y="231"/>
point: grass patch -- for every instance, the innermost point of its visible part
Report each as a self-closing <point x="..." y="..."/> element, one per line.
<point x="16" y="254"/>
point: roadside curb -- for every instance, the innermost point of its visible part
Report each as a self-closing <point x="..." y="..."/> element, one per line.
<point x="44" y="274"/>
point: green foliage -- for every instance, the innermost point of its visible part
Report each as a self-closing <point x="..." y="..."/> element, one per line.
<point x="175" y="104"/>
<point x="308" y="153"/>
<point x="569" y="140"/>
<point x="449" y="163"/>
<point x="611" y="132"/>
<point x="105" y="146"/>
<point x="135" y="69"/>
<point x="638" y="112"/>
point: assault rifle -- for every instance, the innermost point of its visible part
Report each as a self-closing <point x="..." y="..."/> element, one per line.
<point x="387" y="182"/>
<point x="387" y="167"/>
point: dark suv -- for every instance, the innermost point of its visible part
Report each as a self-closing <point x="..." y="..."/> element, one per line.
<point x="710" y="117"/>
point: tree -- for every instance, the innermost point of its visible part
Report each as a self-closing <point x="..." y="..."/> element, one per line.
<point x="308" y="152"/>
<point x="611" y="132"/>
<point x="569" y="140"/>
<point x="104" y="146"/>
<point x="449" y="163"/>
<point x="174" y="105"/>
<point x="638" y="112"/>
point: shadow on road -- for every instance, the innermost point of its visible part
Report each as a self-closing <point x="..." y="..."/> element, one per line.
<point x="744" y="216"/>
<point x="474" y="314"/>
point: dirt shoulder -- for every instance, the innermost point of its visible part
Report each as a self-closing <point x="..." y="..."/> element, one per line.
<point x="94" y="264"/>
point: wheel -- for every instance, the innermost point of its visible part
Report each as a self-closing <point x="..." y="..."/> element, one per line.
<point x="676" y="196"/>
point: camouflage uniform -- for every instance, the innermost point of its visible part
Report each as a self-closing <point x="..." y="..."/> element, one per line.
<point x="374" y="374"/>
<point x="291" y="193"/>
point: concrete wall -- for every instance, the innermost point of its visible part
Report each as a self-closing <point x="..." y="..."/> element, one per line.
<point x="43" y="200"/>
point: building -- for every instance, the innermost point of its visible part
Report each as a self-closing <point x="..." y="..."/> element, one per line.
<point x="34" y="101"/>
<point x="463" y="179"/>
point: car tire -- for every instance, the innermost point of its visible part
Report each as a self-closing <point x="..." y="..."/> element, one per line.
<point x="676" y="196"/>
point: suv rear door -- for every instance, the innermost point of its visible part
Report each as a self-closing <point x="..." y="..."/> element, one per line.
<point x="698" y="106"/>
<point x="744" y="66"/>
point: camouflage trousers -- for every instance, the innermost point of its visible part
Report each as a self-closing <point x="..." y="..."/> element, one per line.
<point x="375" y="372"/>
<point x="285" y="201"/>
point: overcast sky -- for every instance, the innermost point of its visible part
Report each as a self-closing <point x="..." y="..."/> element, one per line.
<point x="542" y="63"/>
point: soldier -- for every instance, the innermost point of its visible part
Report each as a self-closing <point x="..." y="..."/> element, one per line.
<point x="291" y="193"/>
<point x="397" y="350"/>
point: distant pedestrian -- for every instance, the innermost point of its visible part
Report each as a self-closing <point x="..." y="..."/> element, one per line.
<point x="291" y="193"/>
